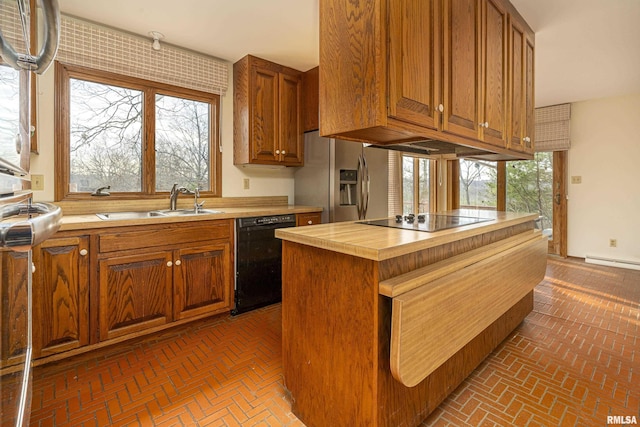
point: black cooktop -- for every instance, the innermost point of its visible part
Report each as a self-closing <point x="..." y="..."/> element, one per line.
<point x="426" y="222"/>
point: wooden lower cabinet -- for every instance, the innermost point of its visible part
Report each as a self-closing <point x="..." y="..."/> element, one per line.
<point x="201" y="278"/>
<point x="308" y="218"/>
<point x="13" y="309"/>
<point x="60" y="295"/>
<point x="135" y="293"/>
<point x="185" y="271"/>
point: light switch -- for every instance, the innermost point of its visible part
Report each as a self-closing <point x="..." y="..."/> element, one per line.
<point x="37" y="182"/>
<point x="576" y="180"/>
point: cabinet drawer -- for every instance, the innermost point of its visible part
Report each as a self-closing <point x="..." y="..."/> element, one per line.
<point x="308" y="219"/>
<point x="167" y="234"/>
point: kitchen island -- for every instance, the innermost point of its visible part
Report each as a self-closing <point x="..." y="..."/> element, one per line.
<point x="380" y="324"/>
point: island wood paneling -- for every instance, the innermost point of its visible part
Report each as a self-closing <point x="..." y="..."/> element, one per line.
<point x="474" y="296"/>
<point x="336" y="344"/>
<point x="328" y="299"/>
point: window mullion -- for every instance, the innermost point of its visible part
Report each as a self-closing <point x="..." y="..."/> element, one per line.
<point x="148" y="142"/>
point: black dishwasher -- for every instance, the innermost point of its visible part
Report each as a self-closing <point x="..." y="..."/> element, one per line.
<point x="259" y="261"/>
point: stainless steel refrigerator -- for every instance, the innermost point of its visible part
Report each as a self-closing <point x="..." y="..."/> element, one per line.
<point x="23" y="224"/>
<point x="348" y="179"/>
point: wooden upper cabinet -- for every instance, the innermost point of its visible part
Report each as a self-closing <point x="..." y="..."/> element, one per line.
<point x="310" y="101"/>
<point x="267" y="126"/>
<point x="408" y="70"/>
<point x="461" y="67"/>
<point x="493" y="109"/>
<point x="414" y="62"/>
<point x="521" y="86"/>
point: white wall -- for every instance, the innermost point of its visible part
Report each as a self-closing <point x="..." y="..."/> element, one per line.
<point x="605" y="152"/>
<point x="264" y="181"/>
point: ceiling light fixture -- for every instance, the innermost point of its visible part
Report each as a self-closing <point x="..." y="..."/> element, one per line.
<point x="157" y="36"/>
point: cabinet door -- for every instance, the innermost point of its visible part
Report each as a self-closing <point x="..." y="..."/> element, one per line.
<point x="414" y="62"/>
<point x="494" y="73"/>
<point x="202" y="280"/>
<point x="461" y="67"/>
<point x="13" y="306"/>
<point x="135" y="293"/>
<point x="529" y="114"/>
<point x="264" y="121"/>
<point x="61" y="295"/>
<point x="308" y="219"/>
<point x="289" y="125"/>
<point x="516" y="86"/>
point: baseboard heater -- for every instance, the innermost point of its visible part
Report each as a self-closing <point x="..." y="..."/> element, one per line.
<point x="612" y="262"/>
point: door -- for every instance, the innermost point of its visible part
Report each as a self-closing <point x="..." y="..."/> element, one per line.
<point x="558" y="240"/>
<point x="414" y="63"/>
<point x="461" y="67"/>
<point x="135" y="293"/>
<point x="264" y="120"/>
<point x="494" y="73"/>
<point x="290" y="126"/>
<point x="202" y="280"/>
<point x="516" y="87"/>
<point x="61" y="295"/>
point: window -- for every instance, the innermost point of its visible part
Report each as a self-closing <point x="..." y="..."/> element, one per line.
<point x="529" y="186"/>
<point x="478" y="184"/>
<point x="136" y="136"/>
<point x="9" y="109"/>
<point x="416" y="180"/>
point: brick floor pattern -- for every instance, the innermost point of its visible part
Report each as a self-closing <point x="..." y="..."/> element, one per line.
<point x="572" y="362"/>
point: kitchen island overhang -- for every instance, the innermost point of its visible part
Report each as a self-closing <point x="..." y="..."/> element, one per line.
<point x="380" y="325"/>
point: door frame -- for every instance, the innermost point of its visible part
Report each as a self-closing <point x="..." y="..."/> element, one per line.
<point x="558" y="243"/>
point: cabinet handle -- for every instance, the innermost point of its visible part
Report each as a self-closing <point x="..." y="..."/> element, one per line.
<point x="284" y="152"/>
<point x="481" y="124"/>
<point x="486" y="125"/>
<point x="310" y="222"/>
<point x="33" y="268"/>
<point x="526" y="139"/>
<point x="169" y="263"/>
<point x="83" y="252"/>
<point x="178" y="262"/>
<point x="277" y="151"/>
<point x="441" y="108"/>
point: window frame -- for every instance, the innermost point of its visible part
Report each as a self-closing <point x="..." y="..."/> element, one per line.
<point x="433" y="163"/>
<point x="65" y="72"/>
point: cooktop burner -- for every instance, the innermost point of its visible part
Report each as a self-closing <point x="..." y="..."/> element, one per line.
<point x="426" y="222"/>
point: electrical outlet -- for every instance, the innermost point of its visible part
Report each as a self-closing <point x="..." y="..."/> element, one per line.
<point x="576" y="180"/>
<point x="613" y="243"/>
<point x="37" y="182"/>
<point x="245" y="183"/>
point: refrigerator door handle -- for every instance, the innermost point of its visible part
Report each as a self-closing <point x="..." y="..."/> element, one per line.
<point x="23" y="235"/>
<point x="363" y="187"/>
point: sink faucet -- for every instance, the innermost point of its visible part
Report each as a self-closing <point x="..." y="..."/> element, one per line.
<point x="175" y="191"/>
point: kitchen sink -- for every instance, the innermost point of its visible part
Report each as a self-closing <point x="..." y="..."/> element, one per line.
<point x="128" y="215"/>
<point x="152" y="214"/>
<point x="183" y="212"/>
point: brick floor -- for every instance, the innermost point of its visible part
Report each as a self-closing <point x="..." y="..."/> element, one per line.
<point x="574" y="361"/>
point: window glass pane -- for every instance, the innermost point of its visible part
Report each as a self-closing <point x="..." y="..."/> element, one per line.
<point x="530" y="188"/>
<point x="478" y="184"/>
<point x="407" y="185"/>
<point x="9" y="112"/>
<point x="105" y="137"/>
<point x="182" y="143"/>
<point x="423" y="185"/>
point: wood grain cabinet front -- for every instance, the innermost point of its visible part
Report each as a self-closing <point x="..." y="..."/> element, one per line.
<point x="184" y="272"/>
<point x="267" y="125"/>
<point x="60" y="295"/>
<point x="308" y="219"/>
<point x="13" y="316"/>
<point x="425" y="69"/>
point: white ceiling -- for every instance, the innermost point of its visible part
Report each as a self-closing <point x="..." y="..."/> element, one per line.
<point x="585" y="49"/>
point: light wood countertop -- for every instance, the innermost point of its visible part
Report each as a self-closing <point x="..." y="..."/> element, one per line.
<point x="91" y="220"/>
<point x="380" y="243"/>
